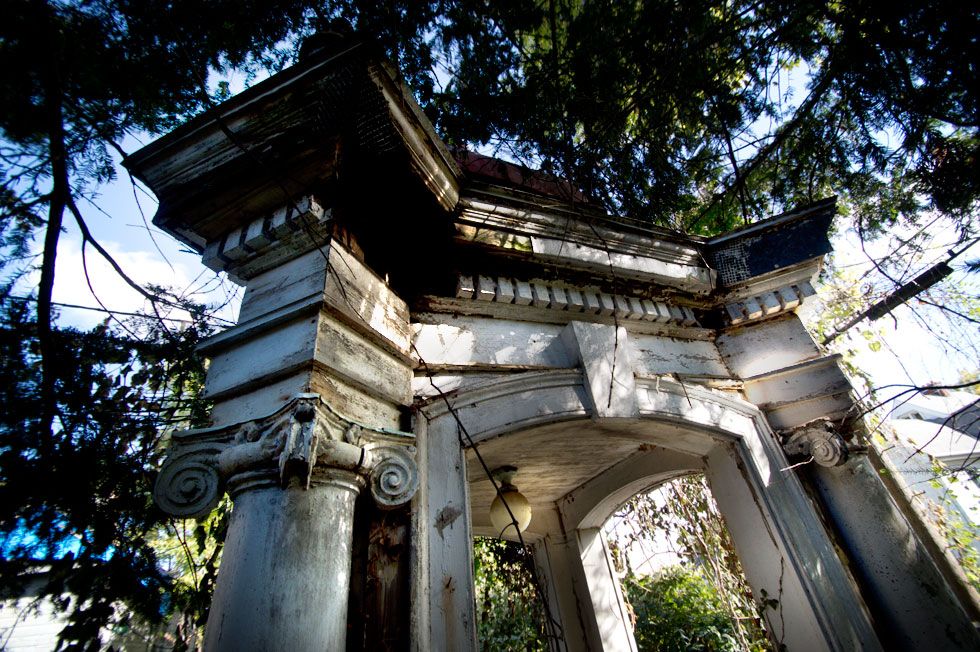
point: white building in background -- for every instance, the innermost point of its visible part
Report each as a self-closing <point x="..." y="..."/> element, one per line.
<point x="956" y="409"/>
<point x="29" y="623"/>
<point x="943" y="426"/>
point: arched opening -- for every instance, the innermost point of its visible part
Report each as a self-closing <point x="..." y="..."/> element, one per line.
<point x="576" y="470"/>
<point x="669" y="549"/>
<point x="562" y="467"/>
<point x="681" y="577"/>
<point x="576" y="475"/>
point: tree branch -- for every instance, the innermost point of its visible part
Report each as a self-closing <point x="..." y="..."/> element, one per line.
<point x="59" y="197"/>
<point x="817" y="93"/>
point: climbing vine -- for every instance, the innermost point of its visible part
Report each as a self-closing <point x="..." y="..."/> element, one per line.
<point x="681" y="574"/>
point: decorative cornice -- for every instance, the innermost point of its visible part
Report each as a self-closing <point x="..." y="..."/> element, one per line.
<point x="429" y="156"/>
<point x="541" y="294"/>
<point x="767" y="304"/>
<point x="818" y="441"/>
<point x="292" y="446"/>
<point x="539" y="232"/>
<point x="541" y="218"/>
<point x="268" y="241"/>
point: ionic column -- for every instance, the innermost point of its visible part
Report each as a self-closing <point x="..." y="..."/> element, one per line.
<point x="891" y="559"/>
<point x="294" y="477"/>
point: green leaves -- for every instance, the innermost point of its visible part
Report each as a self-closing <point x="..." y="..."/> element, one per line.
<point x="677" y="610"/>
<point x="698" y="115"/>
<point x="705" y="602"/>
<point x="76" y="499"/>
<point x="510" y="616"/>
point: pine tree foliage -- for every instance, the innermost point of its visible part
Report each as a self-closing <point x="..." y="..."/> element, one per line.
<point x="75" y="498"/>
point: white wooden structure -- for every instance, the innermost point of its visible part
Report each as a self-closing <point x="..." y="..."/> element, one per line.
<point x="406" y="306"/>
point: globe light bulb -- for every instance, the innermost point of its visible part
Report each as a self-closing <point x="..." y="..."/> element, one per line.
<point x="519" y="506"/>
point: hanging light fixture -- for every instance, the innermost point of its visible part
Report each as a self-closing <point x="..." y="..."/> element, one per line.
<point x="519" y="507"/>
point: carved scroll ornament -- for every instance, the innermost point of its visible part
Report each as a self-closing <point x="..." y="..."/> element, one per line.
<point x="818" y="441"/>
<point x="288" y="447"/>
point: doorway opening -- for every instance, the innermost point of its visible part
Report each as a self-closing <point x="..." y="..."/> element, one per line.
<point x="681" y="578"/>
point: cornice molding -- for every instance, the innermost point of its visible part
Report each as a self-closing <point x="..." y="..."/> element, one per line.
<point x="562" y="297"/>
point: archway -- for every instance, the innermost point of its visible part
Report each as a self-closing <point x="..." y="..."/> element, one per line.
<point x="577" y="467"/>
<point x="681" y="578"/>
<point x="670" y="555"/>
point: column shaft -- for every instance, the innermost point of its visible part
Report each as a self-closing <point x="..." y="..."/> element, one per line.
<point x="285" y="571"/>
<point x="589" y="600"/>
<point x="892" y="565"/>
<point x="605" y="594"/>
<point x="557" y="561"/>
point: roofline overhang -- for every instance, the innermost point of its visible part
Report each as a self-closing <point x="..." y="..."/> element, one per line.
<point x="176" y="160"/>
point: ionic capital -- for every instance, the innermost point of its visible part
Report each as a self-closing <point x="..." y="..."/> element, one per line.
<point x="289" y="447"/>
<point x="818" y="441"/>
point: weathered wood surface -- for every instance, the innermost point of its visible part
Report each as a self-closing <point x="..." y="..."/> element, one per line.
<point x="785" y="373"/>
<point x="429" y="156"/>
<point x="560" y="566"/>
<point x="465" y="341"/>
<point x="604" y="355"/>
<point x="262" y="400"/>
<point x="580" y="236"/>
<point x="206" y="181"/>
<point x="300" y="278"/>
<point x="801" y="393"/>
<point x="566" y="347"/>
<point x="653" y="355"/>
<point x="603" y="594"/>
<point x="739" y="447"/>
<point x="767" y="346"/>
<point x="552" y="460"/>
<point x="791" y="621"/>
<point x="264" y="358"/>
<point x="363" y="406"/>
<point x="562" y="296"/>
<point x="442" y="592"/>
<point x="595" y="501"/>
<point x="433" y="309"/>
<point x="279" y="352"/>
<point x="378" y="617"/>
<point x="347" y="287"/>
<point x="350" y="401"/>
<point x="361" y="362"/>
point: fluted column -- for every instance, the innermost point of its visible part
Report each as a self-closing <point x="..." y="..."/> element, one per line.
<point x="294" y="477"/>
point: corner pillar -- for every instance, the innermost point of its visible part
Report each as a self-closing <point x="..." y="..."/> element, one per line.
<point x="589" y="600"/>
<point x="443" y="604"/>
<point x="891" y="563"/>
<point x="555" y="560"/>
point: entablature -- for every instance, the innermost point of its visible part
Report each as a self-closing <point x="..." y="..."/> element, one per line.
<point x="451" y="238"/>
<point x="551" y="235"/>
